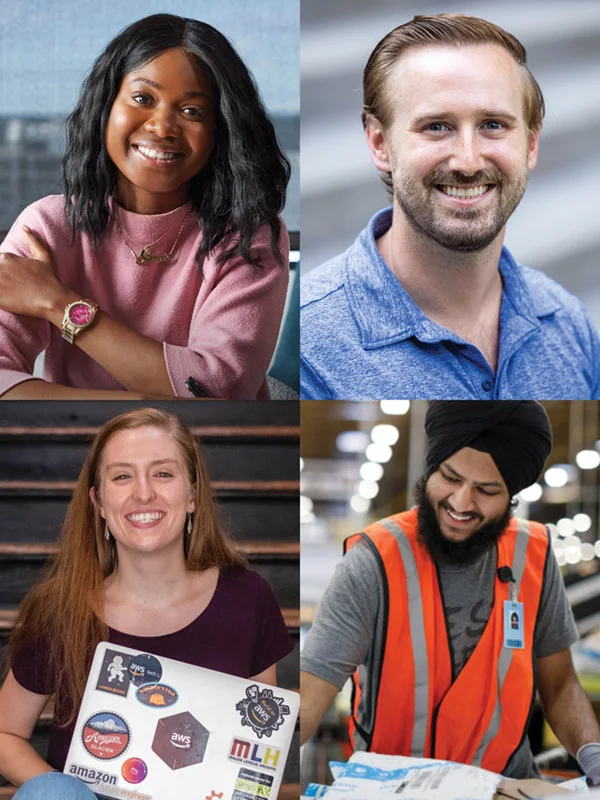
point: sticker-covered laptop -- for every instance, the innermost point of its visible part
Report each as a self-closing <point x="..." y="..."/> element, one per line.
<point x="151" y="728"/>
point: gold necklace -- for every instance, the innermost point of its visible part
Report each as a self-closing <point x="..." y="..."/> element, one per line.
<point x="145" y="256"/>
<point x="144" y="246"/>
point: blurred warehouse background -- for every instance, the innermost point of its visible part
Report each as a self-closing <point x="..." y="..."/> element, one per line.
<point x="556" y="226"/>
<point x="359" y="463"/>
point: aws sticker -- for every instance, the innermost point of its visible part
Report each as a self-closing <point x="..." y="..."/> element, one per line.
<point x="144" y="669"/>
<point x="251" y="784"/>
<point x="114" y="676"/>
<point x="134" y="770"/>
<point x="157" y="695"/>
<point x="261" y="711"/>
<point x="105" y="735"/>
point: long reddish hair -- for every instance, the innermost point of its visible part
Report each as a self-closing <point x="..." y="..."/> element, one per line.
<point x="64" y="611"/>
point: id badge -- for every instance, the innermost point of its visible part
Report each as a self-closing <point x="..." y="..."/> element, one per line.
<point x="514" y="638"/>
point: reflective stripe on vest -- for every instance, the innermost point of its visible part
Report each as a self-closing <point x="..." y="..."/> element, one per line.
<point x="419" y="644"/>
<point x="518" y="567"/>
<point x="418" y="710"/>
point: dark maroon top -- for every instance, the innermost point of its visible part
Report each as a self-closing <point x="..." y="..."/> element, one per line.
<point x="240" y="632"/>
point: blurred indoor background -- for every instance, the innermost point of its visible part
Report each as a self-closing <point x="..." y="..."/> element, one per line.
<point x="359" y="463"/>
<point x="556" y="227"/>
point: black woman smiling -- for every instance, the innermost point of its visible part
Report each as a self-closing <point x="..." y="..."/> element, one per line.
<point x="166" y="257"/>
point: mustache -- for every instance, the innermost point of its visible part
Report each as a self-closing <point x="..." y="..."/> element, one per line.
<point x="451" y="178"/>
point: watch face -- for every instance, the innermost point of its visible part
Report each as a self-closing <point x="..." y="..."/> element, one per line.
<point x="80" y="314"/>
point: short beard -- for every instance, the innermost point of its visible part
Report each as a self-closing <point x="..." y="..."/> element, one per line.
<point x="449" y="552"/>
<point x="468" y="230"/>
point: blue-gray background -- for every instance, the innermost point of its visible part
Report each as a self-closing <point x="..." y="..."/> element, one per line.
<point x="48" y="46"/>
<point x="557" y="226"/>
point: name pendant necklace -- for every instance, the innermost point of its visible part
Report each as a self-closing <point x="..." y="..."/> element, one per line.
<point x="145" y="256"/>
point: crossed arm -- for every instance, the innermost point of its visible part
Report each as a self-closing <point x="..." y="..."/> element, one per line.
<point x="30" y="287"/>
<point x="231" y="338"/>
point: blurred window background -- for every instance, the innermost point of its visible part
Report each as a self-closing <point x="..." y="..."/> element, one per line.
<point x="555" y="228"/>
<point x="48" y="46"/>
<point x="359" y="463"/>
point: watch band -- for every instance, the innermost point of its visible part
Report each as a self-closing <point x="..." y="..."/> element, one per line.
<point x="78" y="315"/>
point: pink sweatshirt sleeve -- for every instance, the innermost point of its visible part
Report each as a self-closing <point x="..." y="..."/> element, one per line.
<point x="22" y="339"/>
<point x="234" y="328"/>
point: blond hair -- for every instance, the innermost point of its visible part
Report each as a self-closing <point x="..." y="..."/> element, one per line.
<point x="456" y="30"/>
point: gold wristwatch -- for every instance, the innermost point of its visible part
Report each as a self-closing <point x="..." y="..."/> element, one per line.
<point x="78" y="315"/>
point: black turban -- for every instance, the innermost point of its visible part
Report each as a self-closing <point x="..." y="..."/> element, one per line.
<point x="516" y="434"/>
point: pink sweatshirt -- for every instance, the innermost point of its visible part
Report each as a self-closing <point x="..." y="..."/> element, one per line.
<point x="219" y="326"/>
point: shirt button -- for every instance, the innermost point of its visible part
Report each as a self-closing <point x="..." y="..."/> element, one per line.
<point x="486" y="385"/>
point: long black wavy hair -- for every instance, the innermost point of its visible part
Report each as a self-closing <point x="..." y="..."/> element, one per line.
<point x="242" y="186"/>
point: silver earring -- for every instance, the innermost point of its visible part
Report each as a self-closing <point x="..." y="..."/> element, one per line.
<point x="106" y="533"/>
<point x="188" y="524"/>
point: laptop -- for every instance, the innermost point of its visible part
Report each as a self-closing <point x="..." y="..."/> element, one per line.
<point x="152" y="728"/>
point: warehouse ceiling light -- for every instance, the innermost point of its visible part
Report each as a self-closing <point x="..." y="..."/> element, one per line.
<point x="582" y="522"/>
<point x="396" y="407"/>
<point x="352" y="441"/>
<point x="385" y="434"/>
<point x="370" y="471"/>
<point x="587" y="552"/>
<point x="359" y="504"/>
<point x="566" y="526"/>
<point x="587" y="459"/>
<point x="368" y="489"/>
<point x="573" y="554"/>
<point x="555" y="477"/>
<point x="532" y="493"/>
<point x="306" y="505"/>
<point x="381" y="453"/>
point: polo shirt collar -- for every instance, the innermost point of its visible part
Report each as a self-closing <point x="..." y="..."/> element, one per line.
<point x="385" y="313"/>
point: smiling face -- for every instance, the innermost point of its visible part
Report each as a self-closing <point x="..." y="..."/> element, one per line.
<point x="144" y="489"/>
<point x="457" y="147"/>
<point x="160" y="132"/>
<point x="466" y="493"/>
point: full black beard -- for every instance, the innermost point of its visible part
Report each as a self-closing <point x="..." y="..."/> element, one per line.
<point x="444" y="550"/>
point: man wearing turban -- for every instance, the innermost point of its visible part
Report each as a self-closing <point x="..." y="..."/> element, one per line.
<point x="450" y="615"/>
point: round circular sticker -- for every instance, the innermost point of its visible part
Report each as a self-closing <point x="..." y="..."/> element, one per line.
<point x="134" y="770"/>
<point x="264" y="713"/>
<point x="157" y="695"/>
<point x="144" y="669"/>
<point x="105" y="735"/>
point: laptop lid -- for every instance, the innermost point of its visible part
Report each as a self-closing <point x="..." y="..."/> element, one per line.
<point x="152" y="728"/>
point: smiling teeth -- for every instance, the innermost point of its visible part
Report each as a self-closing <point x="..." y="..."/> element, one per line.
<point x="459" y="517"/>
<point x="156" y="153"/>
<point x="145" y="517"/>
<point x="454" y="191"/>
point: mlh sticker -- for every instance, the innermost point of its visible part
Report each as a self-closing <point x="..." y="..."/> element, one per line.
<point x="261" y="711"/>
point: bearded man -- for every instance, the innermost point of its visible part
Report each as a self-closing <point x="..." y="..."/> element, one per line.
<point x="422" y="609"/>
<point x="427" y="303"/>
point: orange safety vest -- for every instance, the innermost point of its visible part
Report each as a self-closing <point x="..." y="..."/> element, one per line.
<point x="482" y="717"/>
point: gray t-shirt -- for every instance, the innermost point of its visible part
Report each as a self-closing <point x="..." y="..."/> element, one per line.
<point x="348" y="627"/>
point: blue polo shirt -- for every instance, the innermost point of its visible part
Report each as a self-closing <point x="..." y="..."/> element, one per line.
<point x="363" y="337"/>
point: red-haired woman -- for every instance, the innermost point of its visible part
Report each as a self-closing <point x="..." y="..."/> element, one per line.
<point x="143" y="563"/>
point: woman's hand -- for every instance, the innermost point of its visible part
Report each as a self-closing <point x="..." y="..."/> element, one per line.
<point x="28" y="285"/>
